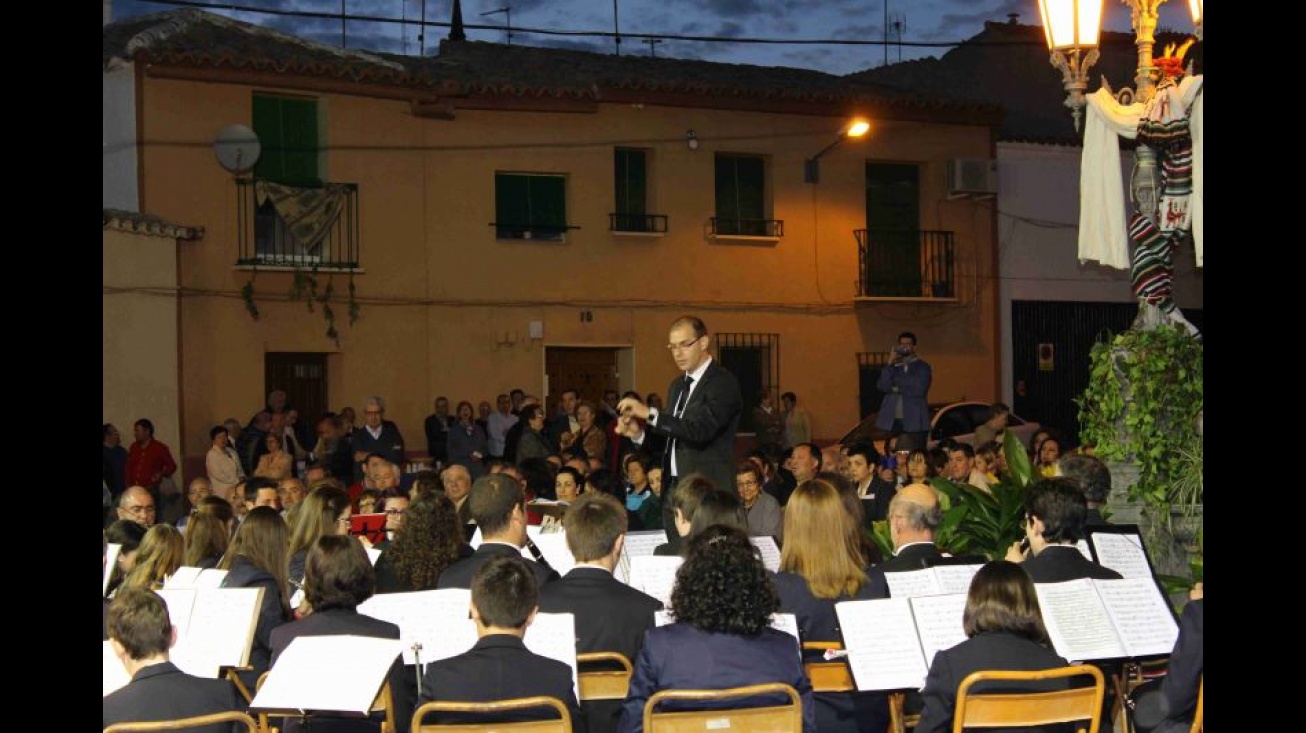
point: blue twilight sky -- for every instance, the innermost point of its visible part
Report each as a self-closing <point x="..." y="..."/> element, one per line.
<point x="921" y="21"/>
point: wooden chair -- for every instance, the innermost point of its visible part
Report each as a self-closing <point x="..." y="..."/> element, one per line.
<point x="230" y="716"/>
<point x="899" y="720"/>
<point x="999" y="709"/>
<point x="384" y="702"/>
<point x="1197" y="716"/>
<point x="769" y="719"/>
<point x="828" y="676"/>
<point x="604" y="684"/>
<point x="561" y="724"/>
<point x="232" y="673"/>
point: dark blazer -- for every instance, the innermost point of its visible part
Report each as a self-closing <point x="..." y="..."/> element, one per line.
<point x="335" y="621"/>
<point x="437" y="436"/>
<point x="876" y="508"/>
<point x="910" y="557"/>
<point x="459" y="575"/>
<point x="390" y="444"/>
<point x="610" y="617"/>
<point x="992" y="650"/>
<point x="163" y="692"/>
<point x="849" y="712"/>
<point x="1058" y="563"/>
<point x="682" y="656"/>
<point x="531" y="445"/>
<point x="500" y="667"/>
<point x="1179" y="687"/>
<point x="243" y="574"/>
<point x="705" y="432"/>
<point x="909" y="384"/>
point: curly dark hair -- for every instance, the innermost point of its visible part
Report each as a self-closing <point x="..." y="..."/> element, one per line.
<point x="429" y="541"/>
<point x="722" y="585"/>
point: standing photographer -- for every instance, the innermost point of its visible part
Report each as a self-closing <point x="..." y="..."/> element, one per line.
<point x="905" y="382"/>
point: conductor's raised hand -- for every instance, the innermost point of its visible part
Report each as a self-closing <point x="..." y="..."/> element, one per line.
<point x="631" y="406"/>
<point x="629" y="427"/>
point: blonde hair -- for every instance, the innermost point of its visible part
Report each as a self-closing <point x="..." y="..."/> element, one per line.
<point x="161" y="552"/>
<point x="822" y="544"/>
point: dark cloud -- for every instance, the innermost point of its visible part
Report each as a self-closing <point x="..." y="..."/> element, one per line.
<point x="960" y="26"/>
<point x="868" y="32"/>
<point x="691" y="29"/>
<point x="605" y="47"/>
<point x="729" y="29"/>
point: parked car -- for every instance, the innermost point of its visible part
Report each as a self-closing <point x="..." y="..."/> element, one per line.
<point x="956" y="420"/>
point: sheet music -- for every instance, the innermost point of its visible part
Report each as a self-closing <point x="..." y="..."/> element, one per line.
<point x="770" y="553"/>
<point x="222" y="625"/>
<point x="637" y="544"/>
<point x="1082" y="546"/>
<point x="955" y="578"/>
<point x="554" y="548"/>
<point x="912" y="583"/>
<point x="373" y="554"/>
<point x="655" y="575"/>
<point x="1123" y="553"/>
<point x="439" y="620"/>
<point x="184" y="578"/>
<point x="180" y="603"/>
<point x="115" y="675"/>
<point x="328" y="673"/>
<point x="939" y="621"/>
<point x="1077" y="621"/>
<point x="1141" y="615"/>
<point x="110" y="562"/>
<point x="884" y="652"/>
<point x="553" y="635"/>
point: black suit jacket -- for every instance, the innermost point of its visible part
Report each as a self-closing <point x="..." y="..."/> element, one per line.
<point x="910" y="558"/>
<point x="459" y="575"/>
<point x="163" y="692"/>
<point x="1059" y="563"/>
<point x="336" y="621"/>
<point x="991" y="650"/>
<point x="704" y="434"/>
<point x="500" y="667"/>
<point x="610" y="617"/>
<point x="1181" y="682"/>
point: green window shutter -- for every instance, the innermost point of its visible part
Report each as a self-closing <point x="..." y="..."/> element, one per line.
<point x="511" y="200"/>
<point x="751" y="183"/>
<point x="631" y="181"/>
<point x="548" y="197"/>
<point x="288" y="133"/>
<point x="267" y="125"/>
<point x="727" y="206"/>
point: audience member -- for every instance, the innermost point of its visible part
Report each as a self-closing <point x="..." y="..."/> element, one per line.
<point x="437" y="432"/>
<point x="148" y="461"/>
<point x="873" y="491"/>
<point x="993" y="429"/>
<point x="467" y="442"/>
<point x="115" y="462"/>
<point x="497" y="426"/>
<point x="457" y="481"/>
<point x="276" y="463"/>
<point x="762" y="514"/>
<point x="196" y="491"/>
<point x="798" y="425"/>
<point x="377" y="435"/>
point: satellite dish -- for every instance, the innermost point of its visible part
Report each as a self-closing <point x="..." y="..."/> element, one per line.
<point x="237" y="148"/>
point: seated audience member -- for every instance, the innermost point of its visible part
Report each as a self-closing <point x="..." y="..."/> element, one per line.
<point x="423" y="481"/>
<point x="505" y="599"/>
<point x="961" y="467"/>
<point x="993" y="429"/>
<point x="337" y="577"/>
<point x="499" y="508"/>
<point x="605" y="481"/>
<point x="257" y="559"/>
<point x="1054" y="523"/>
<point x="128" y="534"/>
<point x="722" y="636"/>
<point x="916" y="469"/>
<point x="368" y="500"/>
<point x="207" y="540"/>
<point x="260" y="491"/>
<point x="914" y="517"/>
<point x="762" y="514"/>
<point x="1045" y="457"/>
<point x="1005" y="632"/>
<point x="634" y="468"/>
<point x="432" y="540"/>
<point x="822" y="564"/>
<point x="687" y="494"/>
<point x="650" y="512"/>
<point x="198" y="488"/>
<point x="141" y="634"/>
<point x="457" y="481"/>
<point x="160" y="554"/>
<point x="1169" y="704"/>
<point x="1093" y="478"/>
<point x="290" y="492"/>
<point x="873" y="491"/>
<point x="568" y="483"/>
<point x="325" y="512"/>
<point x="610" y="615"/>
<point x="986" y="461"/>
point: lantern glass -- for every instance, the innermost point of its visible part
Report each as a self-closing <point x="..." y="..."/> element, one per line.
<point x="1196" y="7"/>
<point x="1071" y="23"/>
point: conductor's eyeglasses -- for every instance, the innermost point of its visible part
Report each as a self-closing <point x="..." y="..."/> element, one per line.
<point x="683" y="344"/>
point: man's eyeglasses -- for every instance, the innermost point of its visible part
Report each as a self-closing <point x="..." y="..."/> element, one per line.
<point x="140" y="510"/>
<point x="373" y="412"/>
<point x="747" y="482"/>
<point x="395" y="512"/>
<point x="683" y="344"/>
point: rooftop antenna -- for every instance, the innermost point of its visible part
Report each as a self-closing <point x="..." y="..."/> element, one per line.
<point x="899" y="24"/>
<point x="507" y="11"/>
<point x="342" y="24"/>
<point x="885" y="32"/>
<point x="421" y="33"/>
<point x="616" y="28"/>
<point x="653" y="46"/>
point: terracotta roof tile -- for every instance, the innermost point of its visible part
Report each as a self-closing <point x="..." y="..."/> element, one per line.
<point x="137" y="223"/>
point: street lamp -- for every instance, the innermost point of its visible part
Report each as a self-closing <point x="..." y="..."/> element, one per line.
<point x="812" y="166"/>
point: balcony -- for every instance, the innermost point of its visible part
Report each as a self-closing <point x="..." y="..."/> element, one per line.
<point x="637" y="223"/>
<point x="906" y="264"/>
<point x="763" y="230"/>
<point x="532" y="231"/>
<point x="297" y="227"/>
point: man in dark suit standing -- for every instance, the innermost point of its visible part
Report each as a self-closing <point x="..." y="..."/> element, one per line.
<point x="504" y="602"/>
<point x="914" y="517"/>
<point x="610" y="615"/>
<point x="905" y="383"/>
<point x="701" y="424"/>
<point x="141" y="633"/>
<point x="499" y="508"/>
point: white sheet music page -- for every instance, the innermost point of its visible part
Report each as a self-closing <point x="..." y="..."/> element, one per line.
<point x="939" y="622"/>
<point x="1082" y="546"/>
<point x="553" y="546"/>
<point x="655" y="575"/>
<point x="439" y="620"/>
<point x="328" y="674"/>
<point x="110" y="562"/>
<point x="222" y="624"/>
<point x="184" y="578"/>
<point x="884" y="652"/>
<point x="954" y="578"/>
<point x="180" y="602"/>
<point x="373" y="554"/>
<point x="637" y="544"/>
<point x="1077" y="621"/>
<point x="1141" y="615"/>
<point x="770" y="553"/>
<point x="553" y="635"/>
<point x="115" y="675"/>
<point x="1122" y="553"/>
<point x="912" y="583"/>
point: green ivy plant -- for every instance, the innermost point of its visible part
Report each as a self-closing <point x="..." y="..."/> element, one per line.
<point x="304" y="286"/>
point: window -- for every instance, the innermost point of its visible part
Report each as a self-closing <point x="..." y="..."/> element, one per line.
<point x="754" y="359"/>
<point x="530" y="206"/>
<point x="288" y="130"/>
<point x="742" y="208"/>
<point x="893" y="263"/>
<point x="630" y="187"/>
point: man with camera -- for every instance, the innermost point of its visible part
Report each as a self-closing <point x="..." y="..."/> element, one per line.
<point x="905" y="382"/>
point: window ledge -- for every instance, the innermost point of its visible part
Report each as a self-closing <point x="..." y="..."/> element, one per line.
<point x="647" y="235"/>
<point x="903" y="299"/>
<point x="299" y="268"/>
<point x="743" y="238"/>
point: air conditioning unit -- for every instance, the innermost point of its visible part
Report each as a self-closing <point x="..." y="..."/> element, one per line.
<point x="972" y="177"/>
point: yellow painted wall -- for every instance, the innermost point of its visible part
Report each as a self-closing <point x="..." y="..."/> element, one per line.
<point x="438" y="288"/>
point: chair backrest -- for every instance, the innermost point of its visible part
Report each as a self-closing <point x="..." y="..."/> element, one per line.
<point x="230" y="716"/>
<point x="561" y="724"/>
<point x="384" y="702"/>
<point x="1197" y="715"/>
<point x="832" y="676"/>
<point x="998" y="709"/>
<point x="604" y="684"/>
<point x="770" y="719"/>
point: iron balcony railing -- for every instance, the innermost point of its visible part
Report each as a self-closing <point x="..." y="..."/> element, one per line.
<point x="266" y="241"/>
<point x="905" y="263"/>
<point x="531" y="231"/>
<point x="640" y="223"/>
<point x="719" y="226"/>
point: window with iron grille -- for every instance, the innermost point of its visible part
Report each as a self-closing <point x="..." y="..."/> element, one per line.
<point x="754" y="359"/>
